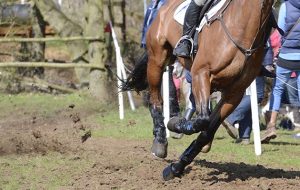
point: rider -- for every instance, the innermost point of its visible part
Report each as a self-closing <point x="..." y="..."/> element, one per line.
<point x="191" y="19"/>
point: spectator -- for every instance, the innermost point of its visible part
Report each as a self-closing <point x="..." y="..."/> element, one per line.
<point x="288" y="60"/>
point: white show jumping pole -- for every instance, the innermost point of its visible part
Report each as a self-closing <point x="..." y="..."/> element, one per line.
<point x="166" y="97"/>
<point x="119" y="73"/>
<point x="255" y="118"/>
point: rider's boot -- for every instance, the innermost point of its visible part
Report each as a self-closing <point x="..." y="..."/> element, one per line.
<point x="192" y="17"/>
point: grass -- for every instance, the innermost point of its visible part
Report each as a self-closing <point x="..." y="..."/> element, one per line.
<point x="39" y="172"/>
<point x="46" y="104"/>
<point x="136" y="125"/>
<point x="56" y="170"/>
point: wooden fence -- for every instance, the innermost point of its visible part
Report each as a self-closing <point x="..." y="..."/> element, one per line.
<point x="119" y="21"/>
<point x="47" y="64"/>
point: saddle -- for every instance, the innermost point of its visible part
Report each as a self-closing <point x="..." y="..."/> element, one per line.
<point x="208" y="14"/>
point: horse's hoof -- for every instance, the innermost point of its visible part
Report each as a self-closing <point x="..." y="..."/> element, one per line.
<point x="172" y="123"/>
<point x="159" y="150"/>
<point x="170" y="172"/>
<point x="180" y="125"/>
<point x="206" y="148"/>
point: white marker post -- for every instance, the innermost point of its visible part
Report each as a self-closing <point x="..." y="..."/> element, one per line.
<point x="255" y="119"/>
<point x="121" y="75"/>
<point x="119" y="72"/>
<point x="166" y="97"/>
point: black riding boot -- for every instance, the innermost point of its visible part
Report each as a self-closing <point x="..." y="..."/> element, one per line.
<point x="192" y="18"/>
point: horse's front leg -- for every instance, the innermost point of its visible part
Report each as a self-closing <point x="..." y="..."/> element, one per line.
<point x="225" y="106"/>
<point x="201" y="92"/>
<point x="160" y="143"/>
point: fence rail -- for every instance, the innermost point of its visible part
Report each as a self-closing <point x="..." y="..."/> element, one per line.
<point x="50" y="65"/>
<point x="75" y="38"/>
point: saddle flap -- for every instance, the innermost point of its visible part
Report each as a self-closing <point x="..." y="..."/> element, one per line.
<point x="181" y="9"/>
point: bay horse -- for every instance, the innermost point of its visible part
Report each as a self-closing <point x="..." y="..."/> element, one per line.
<point x="229" y="57"/>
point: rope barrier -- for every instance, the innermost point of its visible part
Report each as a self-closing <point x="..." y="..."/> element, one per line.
<point x="287" y="84"/>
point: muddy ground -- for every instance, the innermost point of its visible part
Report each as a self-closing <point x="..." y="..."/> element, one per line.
<point x="123" y="163"/>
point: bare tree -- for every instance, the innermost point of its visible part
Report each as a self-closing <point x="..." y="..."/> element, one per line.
<point x="99" y="83"/>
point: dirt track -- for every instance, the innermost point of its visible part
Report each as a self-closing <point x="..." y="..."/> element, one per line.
<point x="127" y="164"/>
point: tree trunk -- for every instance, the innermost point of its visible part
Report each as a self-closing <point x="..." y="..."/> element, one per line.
<point x="99" y="84"/>
<point x="38" y="28"/>
<point x="63" y="26"/>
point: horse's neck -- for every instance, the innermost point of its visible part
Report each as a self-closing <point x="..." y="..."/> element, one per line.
<point x="256" y="12"/>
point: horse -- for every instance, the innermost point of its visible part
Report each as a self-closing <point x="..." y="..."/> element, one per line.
<point x="229" y="56"/>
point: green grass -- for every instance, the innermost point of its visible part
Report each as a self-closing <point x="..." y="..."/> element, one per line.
<point x="136" y="124"/>
<point x="56" y="170"/>
<point x="46" y="104"/>
<point x="39" y="172"/>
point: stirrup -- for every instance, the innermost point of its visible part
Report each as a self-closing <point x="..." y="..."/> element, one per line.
<point x="188" y="38"/>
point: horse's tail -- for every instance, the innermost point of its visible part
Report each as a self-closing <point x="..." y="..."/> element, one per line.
<point x="137" y="79"/>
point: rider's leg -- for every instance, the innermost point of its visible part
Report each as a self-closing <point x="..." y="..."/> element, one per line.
<point x="191" y="19"/>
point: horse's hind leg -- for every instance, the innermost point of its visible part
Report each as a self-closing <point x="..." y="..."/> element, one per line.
<point x="226" y="105"/>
